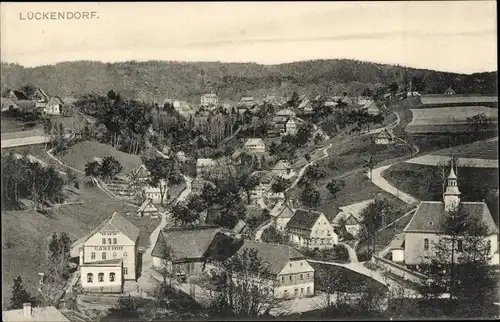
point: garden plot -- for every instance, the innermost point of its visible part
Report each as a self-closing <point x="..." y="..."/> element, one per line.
<point x="447" y="119"/>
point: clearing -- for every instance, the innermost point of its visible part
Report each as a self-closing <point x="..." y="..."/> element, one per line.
<point x="82" y="152"/>
<point x="487" y="149"/>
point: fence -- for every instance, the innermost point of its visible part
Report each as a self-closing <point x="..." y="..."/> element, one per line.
<point x="399" y="270"/>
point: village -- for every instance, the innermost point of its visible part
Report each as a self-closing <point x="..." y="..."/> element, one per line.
<point x="300" y="244"/>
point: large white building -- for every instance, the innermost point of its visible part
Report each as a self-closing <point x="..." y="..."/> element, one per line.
<point x="108" y="255"/>
<point x="311" y="229"/>
<point x="425" y="229"/>
<point x="209" y="100"/>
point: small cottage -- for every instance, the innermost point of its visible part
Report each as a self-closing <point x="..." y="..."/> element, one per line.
<point x="255" y="145"/>
<point x="385" y="137"/>
<point x="148" y="208"/>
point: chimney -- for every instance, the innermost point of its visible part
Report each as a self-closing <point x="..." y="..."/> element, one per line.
<point x="27" y="310"/>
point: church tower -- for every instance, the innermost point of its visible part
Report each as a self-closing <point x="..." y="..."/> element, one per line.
<point x="451" y="196"/>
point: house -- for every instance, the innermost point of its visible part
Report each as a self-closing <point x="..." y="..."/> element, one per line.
<point x="175" y="103"/>
<point x="305" y="107"/>
<point x="363" y="100"/>
<point x="449" y="91"/>
<point x="187" y="248"/>
<point x="29" y="313"/>
<point x="198" y="184"/>
<point x="397" y="248"/>
<point x="16" y="95"/>
<point x="255" y="145"/>
<point x="329" y="101"/>
<point x="283" y="169"/>
<point x="108" y="255"/>
<point x="263" y="192"/>
<point x="422" y="232"/>
<point x="148" y="208"/>
<point x="282" y="213"/>
<point x="385" y="137"/>
<point x="291" y="276"/>
<point x="311" y="229"/>
<point x="155" y="193"/>
<point x="282" y="116"/>
<point x="350" y="217"/>
<point x="371" y="108"/>
<point x="209" y="100"/>
<point x="53" y="106"/>
<point x="142" y="174"/>
<point x="204" y="166"/>
<point x="247" y="101"/>
<point x="291" y="126"/>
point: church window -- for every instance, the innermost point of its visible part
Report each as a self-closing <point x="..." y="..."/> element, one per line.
<point x="92" y="255"/>
<point x="426" y="244"/>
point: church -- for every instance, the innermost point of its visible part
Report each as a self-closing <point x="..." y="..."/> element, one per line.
<point x="424" y="229"/>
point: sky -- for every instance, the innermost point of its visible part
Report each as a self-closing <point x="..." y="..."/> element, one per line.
<point x="455" y="36"/>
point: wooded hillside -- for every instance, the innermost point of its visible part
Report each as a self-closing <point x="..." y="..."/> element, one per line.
<point x="157" y="80"/>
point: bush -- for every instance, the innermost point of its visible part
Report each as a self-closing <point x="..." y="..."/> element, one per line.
<point x="364" y="253"/>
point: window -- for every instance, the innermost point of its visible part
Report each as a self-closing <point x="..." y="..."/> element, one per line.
<point x="103" y="255"/>
<point x="296" y="291"/>
<point x="100" y="277"/>
<point x="290" y="277"/>
<point x="90" y="277"/>
<point x="301" y="290"/>
<point x="125" y="254"/>
<point x="488" y="246"/>
<point x="308" y="274"/>
<point x="301" y="276"/>
<point x="109" y="241"/>
<point x="114" y="254"/>
<point x="111" y="277"/>
<point x="283" y="279"/>
<point x="308" y="290"/>
<point x="114" y="241"/>
<point x="285" y="293"/>
<point x="426" y="244"/>
<point x="92" y="255"/>
<point x="104" y="241"/>
<point x="125" y="270"/>
<point x="460" y="246"/>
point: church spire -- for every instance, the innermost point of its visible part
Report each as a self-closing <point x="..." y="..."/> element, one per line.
<point x="451" y="196"/>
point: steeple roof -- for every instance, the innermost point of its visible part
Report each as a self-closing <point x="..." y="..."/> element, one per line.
<point x="452" y="174"/>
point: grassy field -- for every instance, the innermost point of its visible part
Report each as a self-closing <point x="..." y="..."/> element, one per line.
<point x="81" y="153"/>
<point x="478" y="150"/>
<point x="447" y="119"/>
<point x="26" y="233"/>
<point x="424" y="181"/>
<point x="10" y="124"/>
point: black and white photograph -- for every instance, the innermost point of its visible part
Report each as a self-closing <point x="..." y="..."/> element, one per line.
<point x="256" y="161"/>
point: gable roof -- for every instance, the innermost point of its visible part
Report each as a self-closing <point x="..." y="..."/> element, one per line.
<point x="282" y="210"/>
<point x="285" y="112"/>
<point x="254" y="141"/>
<point x="7" y="103"/>
<point x="282" y="165"/>
<point x="354" y="209"/>
<point x="247" y="99"/>
<point x="240" y="227"/>
<point x="147" y="206"/>
<point x="191" y="243"/>
<point x="56" y="99"/>
<point x="386" y="133"/>
<point x="450" y="90"/>
<point x="304" y="219"/>
<point x="274" y="255"/>
<point x="398" y="241"/>
<point x="303" y="104"/>
<point x="142" y="171"/>
<point x="429" y="216"/>
<point x="18" y="95"/>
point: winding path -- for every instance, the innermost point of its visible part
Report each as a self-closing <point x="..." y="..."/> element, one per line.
<point x="258" y="233"/>
<point x="385" y="185"/>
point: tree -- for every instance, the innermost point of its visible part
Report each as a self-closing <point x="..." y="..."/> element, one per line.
<point x="272" y="235"/>
<point x="307" y="156"/>
<point x="126" y="308"/>
<point x="185" y="214"/>
<point x="92" y="169"/>
<point x="280" y="185"/>
<point x="335" y="186"/>
<point x="310" y="197"/>
<point x="394" y="88"/>
<point x="315" y="173"/>
<point x="460" y="262"/>
<point x="29" y="90"/>
<point x="304" y="133"/>
<point x="243" y="285"/>
<point x="20" y="295"/>
<point x="476" y="124"/>
<point x="166" y="264"/>
<point x="70" y="174"/>
<point x="248" y="182"/>
<point x="163" y="173"/>
<point x="369" y="163"/>
<point x="109" y="168"/>
<point x="47" y="129"/>
<point x="373" y="218"/>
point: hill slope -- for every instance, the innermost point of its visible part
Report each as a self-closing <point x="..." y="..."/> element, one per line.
<point x="157" y="80"/>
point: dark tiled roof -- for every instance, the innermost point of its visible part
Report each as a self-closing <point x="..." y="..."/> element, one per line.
<point x="274" y="255"/>
<point x="429" y="216"/>
<point x="304" y="219"/>
<point x="123" y="225"/>
<point x="185" y="243"/>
